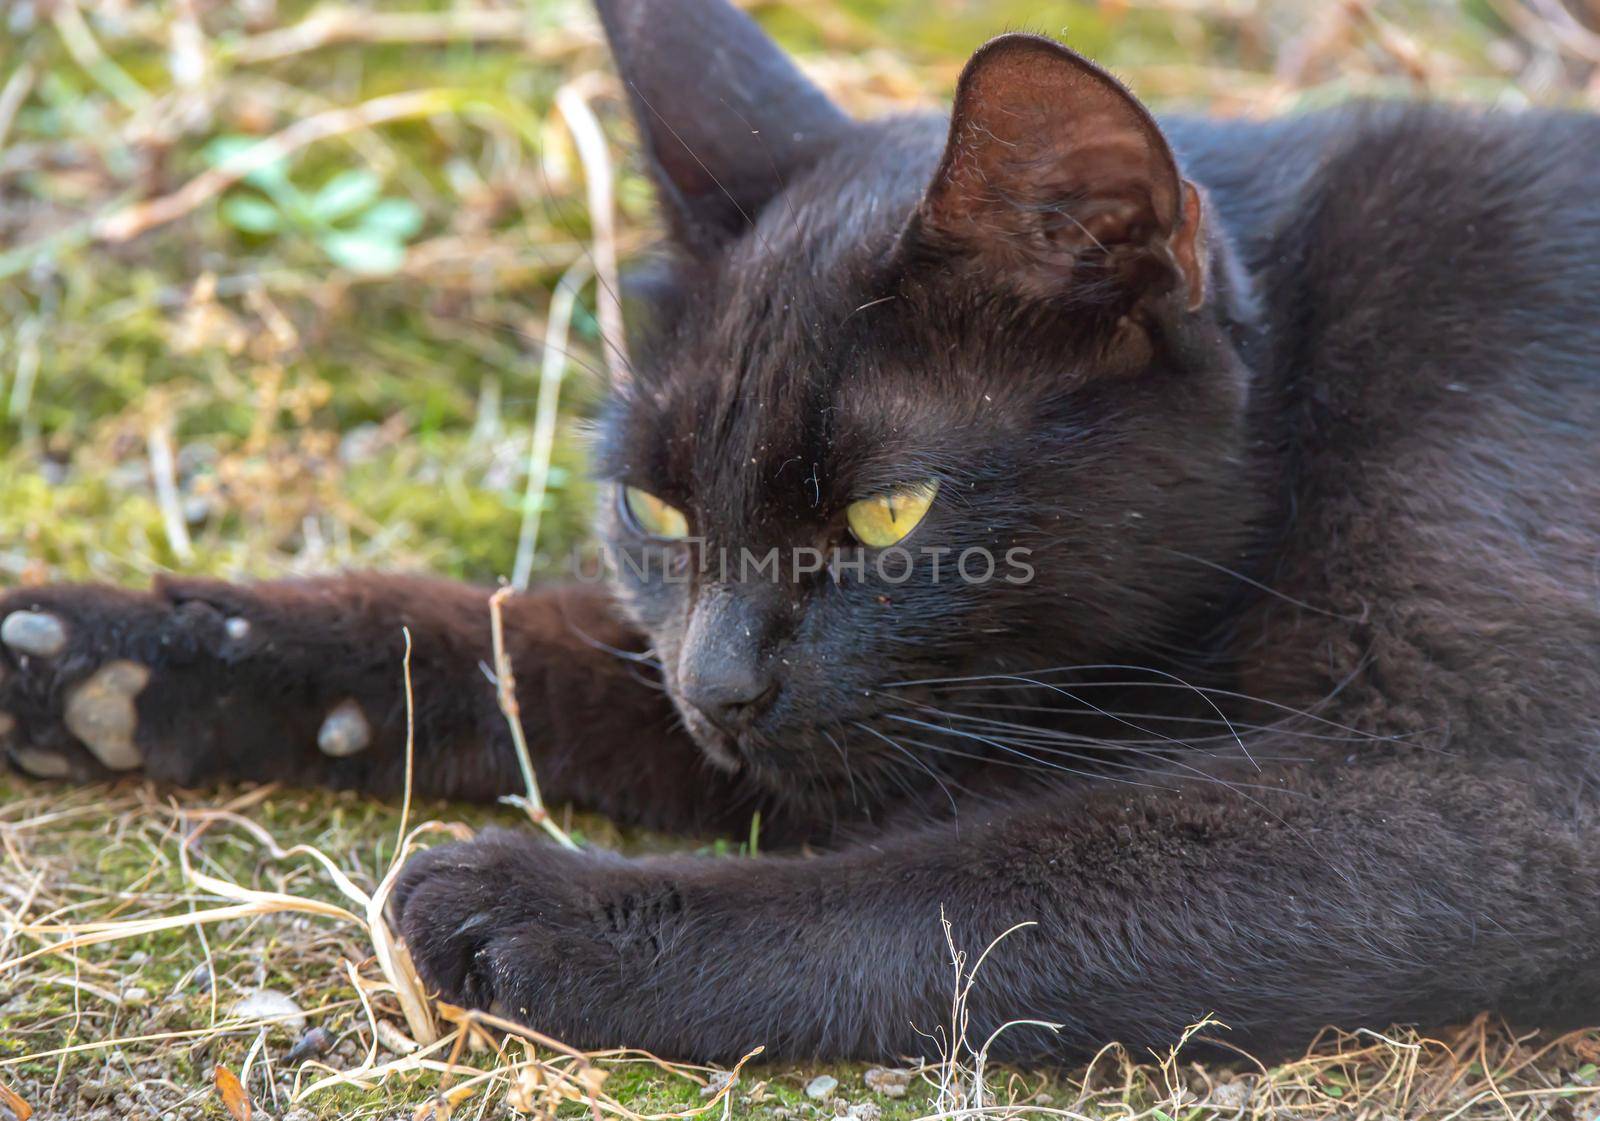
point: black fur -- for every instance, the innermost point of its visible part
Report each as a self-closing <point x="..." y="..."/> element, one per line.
<point x="1297" y="721"/>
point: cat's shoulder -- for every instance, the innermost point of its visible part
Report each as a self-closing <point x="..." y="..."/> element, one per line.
<point x="1407" y="233"/>
<point x="1368" y="126"/>
<point x="1386" y="164"/>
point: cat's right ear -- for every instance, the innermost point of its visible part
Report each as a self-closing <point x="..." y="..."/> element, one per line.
<point x="1057" y="184"/>
<point x="726" y="119"/>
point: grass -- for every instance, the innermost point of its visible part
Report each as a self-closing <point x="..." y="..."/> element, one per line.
<point x="335" y="362"/>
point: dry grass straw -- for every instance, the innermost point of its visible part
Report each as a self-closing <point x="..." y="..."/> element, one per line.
<point x="1479" y="1071"/>
<point x="535" y="1072"/>
<point x="572" y="100"/>
<point x="531" y="801"/>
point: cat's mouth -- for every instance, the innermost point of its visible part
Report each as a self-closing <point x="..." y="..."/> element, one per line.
<point x="721" y="749"/>
<point x="771" y="755"/>
<point x="862" y="743"/>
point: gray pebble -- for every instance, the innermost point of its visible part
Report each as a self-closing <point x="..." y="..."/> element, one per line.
<point x="888" y="1081"/>
<point x="313" y="1044"/>
<point x="821" y="1086"/>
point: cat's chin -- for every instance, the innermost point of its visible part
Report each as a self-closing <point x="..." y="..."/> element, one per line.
<point x="719" y="748"/>
<point x="755" y="760"/>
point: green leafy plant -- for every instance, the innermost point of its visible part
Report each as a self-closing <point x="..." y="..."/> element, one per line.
<point x="348" y="217"/>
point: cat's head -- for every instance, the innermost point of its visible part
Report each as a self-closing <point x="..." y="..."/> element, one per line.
<point x="981" y="356"/>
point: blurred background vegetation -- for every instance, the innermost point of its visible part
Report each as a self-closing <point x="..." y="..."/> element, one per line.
<point x="334" y="362"/>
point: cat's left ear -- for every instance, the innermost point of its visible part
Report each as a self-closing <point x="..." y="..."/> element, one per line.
<point x="726" y="118"/>
<point x="1057" y="183"/>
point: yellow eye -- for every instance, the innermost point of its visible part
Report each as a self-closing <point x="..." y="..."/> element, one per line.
<point x="654" y="516"/>
<point x="884" y="519"/>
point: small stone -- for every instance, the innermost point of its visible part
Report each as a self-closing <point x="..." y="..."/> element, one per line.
<point x="345" y="731"/>
<point x="93" y="1090"/>
<point x="41" y="764"/>
<point x="888" y="1081"/>
<point x="821" y="1086"/>
<point x="270" y="1004"/>
<point x="313" y="1044"/>
<point x="34" y="632"/>
<point x="135" y="996"/>
<point x="238" y="628"/>
<point x="197" y="508"/>
<point x="101" y="713"/>
<point x="716" y="1082"/>
<point x="1230" y="1095"/>
<point x="865" y="1111"/>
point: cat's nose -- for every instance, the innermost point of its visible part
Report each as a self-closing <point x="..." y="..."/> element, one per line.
<point x="725" y="671"/>
<point x="730" y="696"/>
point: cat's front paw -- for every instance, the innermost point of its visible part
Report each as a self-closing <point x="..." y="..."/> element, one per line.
<point x="192" y="681"/>
<point x="73" y="664"/>
<point x="485" y="921"/>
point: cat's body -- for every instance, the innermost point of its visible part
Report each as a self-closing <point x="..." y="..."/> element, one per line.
<point x="1295" y="721"/>
<point x="1430" y="342"/>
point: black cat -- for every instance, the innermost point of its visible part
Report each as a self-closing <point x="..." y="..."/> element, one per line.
<point x="1282" y="701"/>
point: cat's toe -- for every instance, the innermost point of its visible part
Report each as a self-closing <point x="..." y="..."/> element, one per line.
<point x="478" y="918"/>
<point x="440" y="907"/>
<point x="26" y="759"/>
<point x="38" y="763"/>
<point x="50" y="756"/>
<point x="35" y="634"/>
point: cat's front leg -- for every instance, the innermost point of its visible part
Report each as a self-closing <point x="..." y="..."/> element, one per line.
<point x="1403" y="891"/>
<point x="200" y="681"/>
<point x="303" y="681"/>
<point x="696" y="958"/>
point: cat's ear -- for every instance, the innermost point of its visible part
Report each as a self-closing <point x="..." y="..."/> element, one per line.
<point x="725" y="117"/>
<point x="1057" y="183"/>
